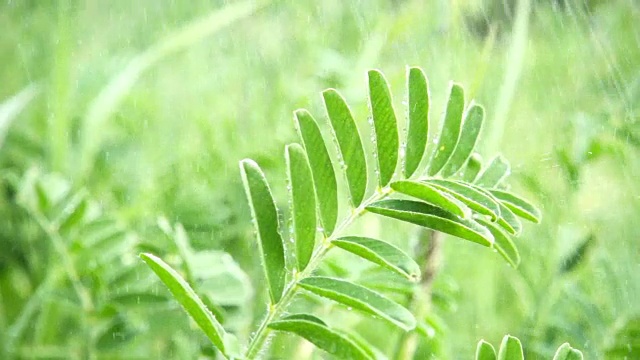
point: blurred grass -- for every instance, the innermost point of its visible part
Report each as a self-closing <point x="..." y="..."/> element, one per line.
<point x="170" y="146"/>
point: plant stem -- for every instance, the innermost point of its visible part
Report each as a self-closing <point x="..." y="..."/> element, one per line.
<point x="275" y="310"/>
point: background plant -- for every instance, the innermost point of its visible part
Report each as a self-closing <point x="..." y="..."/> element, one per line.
<point x="172" y="145"/>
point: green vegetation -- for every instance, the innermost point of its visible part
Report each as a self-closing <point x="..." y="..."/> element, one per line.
<point x="122" y="126"/>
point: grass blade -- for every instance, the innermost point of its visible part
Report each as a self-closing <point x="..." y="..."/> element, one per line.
<point x="485" y="351"/>
<point x="434" y="218"/>
<point x="518" y="205"/>
<point x="183" y="293"/>
<point x="324" y="176"/>
<point x="510" y="349"/>
<point x="450" y="132"/>
<point x="470" y="195"/>
<point x="495" y="173"/>
<point x="106" y="103"/>
<point x="315" y="331"/>
<point x="503" y="243"/>
<point x="430" y="194"/>
<point x="566" y="352"/>
<point x="381" y="253"/>
<point x="265" y="218"/>
<point x="385" y="126"/>
<point x="303" y="203"/>
<point x="361" y="298"/>
<point x="349" y="144"/>
<point x="418" y="133"/>
<point x="468" y="138"/>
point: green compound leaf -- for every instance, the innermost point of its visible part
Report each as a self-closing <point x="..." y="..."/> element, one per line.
<point x="473" y="197"/>
<point x="418" y="133"/>
<point x="485" y="351"/>
<point x="498" y="170"/>
<point x="472" y="168"/>
<point x="503" y="243"/>
<point x="432" y="195"/>
<point x="183" y="293"/>
<point x="315" y="331"/>
<point x="381" y="253"/>
<point x="349" y="144"/>
<point x="566" y="352"/>
<point x="303" y="203"/>
<point x="518" y="205"/>
<point x="450" y="132"/>
<point x="434" y="218"/>
<point x="265" y="218"/>
<point x="468" y="138"/>
<point x="361" y="298"/>
<point x="324" y="177"/>
<point x="385" y="126"/>
<point x="510" y="349"/>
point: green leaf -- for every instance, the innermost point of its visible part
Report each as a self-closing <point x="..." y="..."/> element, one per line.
<point x="510" y="349"/>
<point x="385" y="126"/>
<point x="418" y="134"/>
<point x="265" y="219"/>
<point x="508" y="220"/>
<point x="566" y="352"/>
<point x="571" y="261"/>
<point x="432" y="195"/>
<point x="468" y="138"/>
<point x="349" y="144"/>
<point x="471" y="196"/>
<point x="324" y="177"/>
<point x="624" y="343"/>
<point x="432" y="217"/>
<point x="472" y="168"/>
<point x="183" y="293"/>
<point x="303" y="203"/>
<point x="361" y="298"/>
<point x="315" y="331"/>
<point x="485" y="351"/>
<point x="381" y="253"/>
<point x="450" y="132"/>
<point x="495" y="173"/>
<point x="503" y="243"/>
<point x="518" y="205"/>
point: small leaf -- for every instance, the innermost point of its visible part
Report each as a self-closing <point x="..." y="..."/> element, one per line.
<point x="418" y="132"/>
<point x="265" y="218"/>
<point x="468" y="139"/>
<point x="503" y="243"/>
<point x="324" y="177"/>
<point x="303" y="203"/>
<point x="313" y="329"/>
<point x="74" y="216"/>
<point x="518" y="205"/>
<point x="183" y="293"/>
<point x="566" y="352"/>
<point x="385" y="126"/>
<point x="485" y="351"/>
<point x="577" y="255"/>
<point x="349" y="144"/>
<point x="432" y="217"/>
<point x="381" y="253"/>
<point x="450" y="132"/>
<point x="508" y="220"/>
<point x="510" y="349"/>
<point x="361" y="298"/>
<point x="471" y="196"/>
<point x="495" y="173"/>
<point x="432" y="195"/>
<point x="472" y="168"/>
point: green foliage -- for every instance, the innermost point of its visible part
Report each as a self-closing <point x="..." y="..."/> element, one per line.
<point x="453" y="207"/>
<point x="511" y="349"/>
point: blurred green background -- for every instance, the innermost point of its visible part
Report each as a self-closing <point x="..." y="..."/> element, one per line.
<point x="140" y="111"/>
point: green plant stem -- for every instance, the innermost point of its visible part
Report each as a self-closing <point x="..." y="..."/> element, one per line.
<point x="83" y="294"/>
<point x="275" y="310"/>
